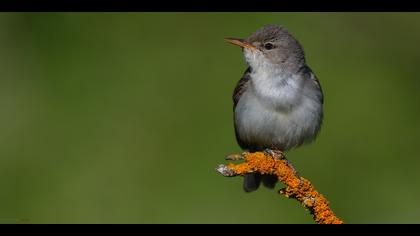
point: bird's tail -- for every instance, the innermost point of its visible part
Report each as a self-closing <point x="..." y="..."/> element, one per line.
<point x="253" y="180"/>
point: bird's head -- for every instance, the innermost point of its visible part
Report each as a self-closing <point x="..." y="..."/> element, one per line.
<point x="271" y="46"/>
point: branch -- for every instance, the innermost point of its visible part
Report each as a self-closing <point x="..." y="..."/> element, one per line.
<point x="297" y="187"/>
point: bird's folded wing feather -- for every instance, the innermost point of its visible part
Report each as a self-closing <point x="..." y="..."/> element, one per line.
<point x="307" y="71"/>
<point x="241" y="86"/>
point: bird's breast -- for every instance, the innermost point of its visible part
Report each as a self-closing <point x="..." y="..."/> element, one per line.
<point x="280" y="90"/>
<point x="261" y="122"/>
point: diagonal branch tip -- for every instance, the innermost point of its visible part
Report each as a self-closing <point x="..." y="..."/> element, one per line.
<point x="297" y="187"/>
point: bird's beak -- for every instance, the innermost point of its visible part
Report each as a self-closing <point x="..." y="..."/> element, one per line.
<point x="240" y="42"/>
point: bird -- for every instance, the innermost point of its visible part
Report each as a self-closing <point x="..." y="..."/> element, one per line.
<point x="278" y="102"/>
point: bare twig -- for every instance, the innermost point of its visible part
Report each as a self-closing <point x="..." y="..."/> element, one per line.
<point x="297" y="187"/>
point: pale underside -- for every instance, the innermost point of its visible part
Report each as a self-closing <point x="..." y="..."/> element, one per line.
<point x="278" y="111"/>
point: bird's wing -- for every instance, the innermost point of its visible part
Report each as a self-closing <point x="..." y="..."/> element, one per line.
<point x="241" y="86"/>
<point x="306" y="71"/>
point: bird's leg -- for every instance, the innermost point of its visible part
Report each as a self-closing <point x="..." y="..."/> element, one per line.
<point x="277" y="154"/>
<point x="235" y="157"/>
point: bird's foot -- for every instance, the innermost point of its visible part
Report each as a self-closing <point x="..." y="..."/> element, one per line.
<point x="235" y="157"/>
<point x="277" y="154"/>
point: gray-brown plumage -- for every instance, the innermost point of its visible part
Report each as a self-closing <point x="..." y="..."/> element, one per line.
<point x="278" y="101"/>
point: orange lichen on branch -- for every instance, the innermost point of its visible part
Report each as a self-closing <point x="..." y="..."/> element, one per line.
<point x="297" y="187"/>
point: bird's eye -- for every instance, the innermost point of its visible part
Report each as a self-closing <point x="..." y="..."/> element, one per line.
<point x="268" y="46"/>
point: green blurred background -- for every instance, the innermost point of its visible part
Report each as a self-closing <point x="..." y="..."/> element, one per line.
<point x="122" y="117"/>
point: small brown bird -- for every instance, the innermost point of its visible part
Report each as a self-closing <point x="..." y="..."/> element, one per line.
<point x="278" y="101"/>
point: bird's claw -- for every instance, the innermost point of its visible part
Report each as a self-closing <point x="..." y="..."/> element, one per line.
<point x="277" y="154"/>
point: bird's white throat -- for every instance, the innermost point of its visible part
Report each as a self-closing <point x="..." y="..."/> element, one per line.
<point x="272" y="84"/>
